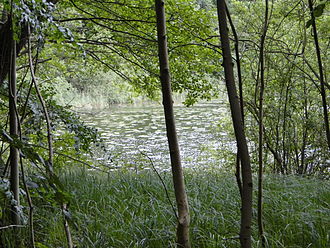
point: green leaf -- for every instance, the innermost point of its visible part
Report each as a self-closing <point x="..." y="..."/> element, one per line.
<point x="40" y="245"/>
<point x="62" y="197"/>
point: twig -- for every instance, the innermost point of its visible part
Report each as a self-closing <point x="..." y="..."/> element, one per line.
<point x="11" y="226"/>
<point x="72" y="158"/>
<point x="30" y="88"/>
<point x="38" y="61"/>
<point x="231" y="238"/>
<point x="5" y="170"/>
<point x="28" y="196"/>
<point x="162" y="181"/>
<point x="43" y="104"/>
<point x="66" y="226"/>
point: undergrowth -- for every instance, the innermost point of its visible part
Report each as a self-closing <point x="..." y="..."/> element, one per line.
<point x="126" y="209"/>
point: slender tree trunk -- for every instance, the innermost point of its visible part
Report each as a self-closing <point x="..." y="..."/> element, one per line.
<point x="246" y="210"/>
<point x="44" y="108"/>
<point x="177" y="171"/>
<point x="13" y="130"/>
<point x="5" y="42"/>
<point x="322" y="83"/>
<point x="305" y="131"/>
<point x="241" y="101"/>
<point x="50" y="169"/>
<point x="261" y="133"/>
<point x="238" y="64"/>
<point x="280" y="166"/>
<point x="284" y="131"/>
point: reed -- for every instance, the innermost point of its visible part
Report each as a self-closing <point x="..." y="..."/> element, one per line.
<point x="128" y="209"/>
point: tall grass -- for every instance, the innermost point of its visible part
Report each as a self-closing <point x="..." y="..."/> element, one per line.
<point x="125" y="209"/>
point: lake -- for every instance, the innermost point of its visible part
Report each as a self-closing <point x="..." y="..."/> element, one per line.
<point x="132" y="132"/>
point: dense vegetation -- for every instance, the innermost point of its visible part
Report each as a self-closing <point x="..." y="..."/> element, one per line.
<point x="91" y="54"/>
<point x="118" y="210"/>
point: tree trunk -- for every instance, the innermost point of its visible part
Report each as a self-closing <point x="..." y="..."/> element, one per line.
<point x="246" y="211"/>
<point x="319" y="60"/>
<point x="178" y="179"/>
<point x="285" y="133"/>
<point x="5" y="42"/>
<point x="5" y="50"/>
<point x="261" y="130"/>
<point x="13" y="130"/>
<point x="305" y="131"/>
<point x="241" y="102"/>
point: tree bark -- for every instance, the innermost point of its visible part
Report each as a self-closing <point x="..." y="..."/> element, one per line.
<point x="5" y="50"/>
<point x="305" y="131"/>
<point x="13" y="129"/>
<point x="44" y="108"/>
<point x="322" y="83"/>
<point x="5" y="47"/>
<point x="5" y="42"/>
<point x="241" y="102"/>
<point x="246" y="211"/>
<point x="177" y="171"/>
<point x="261" y="129"/>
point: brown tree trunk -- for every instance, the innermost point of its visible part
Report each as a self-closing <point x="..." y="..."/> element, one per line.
<point x="5" y="50"/>
<point x="319" y="60"/>
<point x="261" y="129"/>
<point x="285" y="158"/>
<point x="305" y="131"/>
<point x="241" y="102"/>
<point x="178" y="179"/>
<point x="246" y="211"/>
<point x="5" y="56"/>
<point x="13" y="130"/>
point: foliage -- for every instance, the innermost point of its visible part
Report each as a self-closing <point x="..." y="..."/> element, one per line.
<point x="135" y="211"/>
<point x="108" y="50"/>
<point x="294" y="133"/>
<point x="122" y="39"/>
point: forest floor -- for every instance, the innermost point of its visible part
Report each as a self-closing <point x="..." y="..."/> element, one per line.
<point x="127" y="209"/>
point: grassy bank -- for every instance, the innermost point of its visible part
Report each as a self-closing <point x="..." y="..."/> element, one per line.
<point x="132" y="210"/>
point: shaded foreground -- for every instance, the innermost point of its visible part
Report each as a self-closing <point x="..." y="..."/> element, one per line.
<point x="125" y="209"/>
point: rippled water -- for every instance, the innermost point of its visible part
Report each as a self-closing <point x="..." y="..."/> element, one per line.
<point x="130" y="131"/>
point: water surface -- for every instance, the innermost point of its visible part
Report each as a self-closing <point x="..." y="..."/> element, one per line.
<point x="130" y="132"/>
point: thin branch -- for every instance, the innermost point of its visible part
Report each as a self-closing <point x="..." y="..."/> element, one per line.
<point x="43" y="104"/>
<point x="29" y="200"/>
<point x="28" y="196"/>
<point x="66" y="226"/>
<point x="38" y="61"/>
<point x="101" y="18"/>
<point x="119" y="73"/>
<point x="49" y="134"/>
<point x="70" y="157"/>
<point x="215" y="48"/>
<point x="112" y="29"/>
<point x="30" y="89"/>
<point x="162" y="181"/>
<point x="11" y="226"/>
